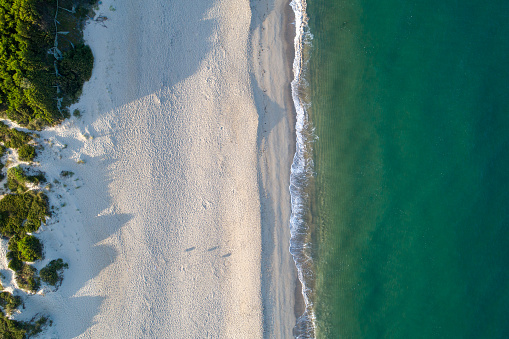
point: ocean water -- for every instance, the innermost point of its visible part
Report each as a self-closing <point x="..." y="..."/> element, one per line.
<point x="400" y="186"/>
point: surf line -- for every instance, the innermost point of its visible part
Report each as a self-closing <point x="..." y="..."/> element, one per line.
<point x="301" y="170"/>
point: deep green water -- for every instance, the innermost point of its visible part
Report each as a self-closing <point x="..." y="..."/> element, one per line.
<point x="410" y="101"/>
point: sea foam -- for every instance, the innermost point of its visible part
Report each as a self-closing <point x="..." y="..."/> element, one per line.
<point x="301" y="173"/>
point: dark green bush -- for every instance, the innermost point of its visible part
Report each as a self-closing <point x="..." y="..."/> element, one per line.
<point x="9" y="302"/>
<point x="15" y="264"/>
<point x="22" y="213"/>
<point x="52" y="273"/>
<point x="66" y="174"/>
<point x="26" y="153"/>
<point x="27" y="278"/>
<point x="30" y="248"/>
<point x="11" y="329"/>
<point x="17" y="176"/>
<point x="76" y="68"/>
<point x="13" y="138"/>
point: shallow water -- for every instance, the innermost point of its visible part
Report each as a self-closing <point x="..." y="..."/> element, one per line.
<point x="410" y="104"/>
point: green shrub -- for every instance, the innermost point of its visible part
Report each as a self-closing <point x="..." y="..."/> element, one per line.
<point x="22" y="213"/>
<point x="9" y="302"/>
<point x="13" y="138"/>
<point x="66" y="174"/>
<point x="16" y="177"/>
<point x="53" y="272"/>
<point x="75" y="68"/>
<point x="15" y="264"/>
<point x="11" y="329"/>
<point x="30" y="248"/>
<point x="26" y="153"/>
<point x="27" y="278"/>
<point x="33" y="328"/>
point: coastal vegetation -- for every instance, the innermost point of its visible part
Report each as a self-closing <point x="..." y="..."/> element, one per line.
<point x="12" y="329"/>
<point x="43" y="66"/>
<point x="52" y="274"/>
<point x="43" y="61"/>
<point x="18" y="178"/>
<point x="9" y="302"/>
<point x="18" y="140"/>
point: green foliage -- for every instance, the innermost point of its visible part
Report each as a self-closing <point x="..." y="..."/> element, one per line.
<point x="30" y="248"/>
<point x="33" y="328"/>
<point x="28" y="78"/>
<point x="17" y="176"/>
<point x="11" y="329"/>
<point x="66" y="174"/>
<point x="76" y="68"/>
<point x="26" y="153"/>
<point x="12" y="138"/>
<point x="27" y="278"/>
<point x="53" y="272"/>
<point x="15" y="263"/>
<point x="9" y="302"/>
<point x="22" y="213"/>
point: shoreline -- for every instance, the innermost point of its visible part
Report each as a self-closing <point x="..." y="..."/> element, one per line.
<point x="179" y="203"/>
<point x="272" y="36"/>
<point x="289" y="17"/>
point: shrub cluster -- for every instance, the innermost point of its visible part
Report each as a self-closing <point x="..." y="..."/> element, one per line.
<point x="22" y="213"/>
<point x="12" y="138"/>
<point x="40" y="75"/>
<point x="53" y="272"/>
<point x="76" y="69"/>
<point x="28" y="76"/>
<point x="17" y="178"/>
<point x="12" y="329"/>
<point x="27" y="278"/>
<point x="9" y="302"/>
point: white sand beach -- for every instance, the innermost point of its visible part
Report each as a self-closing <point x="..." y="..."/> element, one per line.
<point x="175" y="222"/>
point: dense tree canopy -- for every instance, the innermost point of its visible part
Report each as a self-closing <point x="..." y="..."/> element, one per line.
<point x="31" y="85"/>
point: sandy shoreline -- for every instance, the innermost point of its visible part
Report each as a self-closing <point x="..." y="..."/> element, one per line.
<point x="177" y="223"/>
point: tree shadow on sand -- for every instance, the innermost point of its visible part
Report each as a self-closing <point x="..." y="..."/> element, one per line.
<point x="181" y="47"/>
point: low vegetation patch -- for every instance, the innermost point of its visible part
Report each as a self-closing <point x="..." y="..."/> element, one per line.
<point x="30" y="248"/>
<point x="52" y="274"/>
<point x="11" y="329"/>
<point x="43" y="66"/>
<point x="18" y="178"/>
<point x="22" y="213"/>
<point x="27" y="278"/>
<point x="9" y="302"/>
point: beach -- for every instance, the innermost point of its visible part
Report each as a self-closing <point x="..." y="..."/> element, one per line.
<point x="175" y="221"/>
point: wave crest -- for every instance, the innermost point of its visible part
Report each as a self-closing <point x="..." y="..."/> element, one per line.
<point x="301" y="173"/>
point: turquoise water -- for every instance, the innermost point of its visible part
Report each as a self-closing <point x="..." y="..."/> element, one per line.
<point x="410" y="218"/>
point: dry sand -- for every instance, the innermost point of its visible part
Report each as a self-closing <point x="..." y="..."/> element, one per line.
<point x="176" y="224"/>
